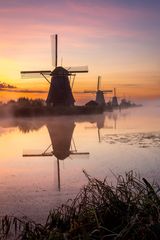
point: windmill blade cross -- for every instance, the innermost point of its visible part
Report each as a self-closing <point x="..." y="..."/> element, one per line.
<point x="72" y="70"/>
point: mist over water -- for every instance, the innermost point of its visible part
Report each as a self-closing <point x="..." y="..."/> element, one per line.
<point x="117" y="142"/>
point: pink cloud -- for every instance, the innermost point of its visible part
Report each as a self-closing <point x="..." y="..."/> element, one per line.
<point x="112" y="12"/>
<point x="24" y="29"/>
<point x="84" y="18"/>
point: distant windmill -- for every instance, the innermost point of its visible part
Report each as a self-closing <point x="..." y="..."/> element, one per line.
<point x="114" y="99"/>
<point x="99" y="93"/>
<point x="60" y="92"/>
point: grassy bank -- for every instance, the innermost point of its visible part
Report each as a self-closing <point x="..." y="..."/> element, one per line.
<point x="129" y="210"/>
<point x="25" y="107"/>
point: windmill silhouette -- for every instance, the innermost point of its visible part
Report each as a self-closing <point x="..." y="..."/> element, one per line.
<point x="99" y="93"/>
<point x="60" y="92"/>
<point x="115" y="99"/>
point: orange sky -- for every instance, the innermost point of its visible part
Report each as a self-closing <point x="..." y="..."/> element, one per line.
<point x="119" y="41"/>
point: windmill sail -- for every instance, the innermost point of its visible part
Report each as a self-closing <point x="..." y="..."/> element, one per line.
<point x="98" y="83"/>
<point x="77" y="69"/>
<point x="54" y="50"/>
<point x="35" y="74"/>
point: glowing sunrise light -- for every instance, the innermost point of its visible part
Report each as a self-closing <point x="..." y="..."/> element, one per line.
<point x="116" y="39"/>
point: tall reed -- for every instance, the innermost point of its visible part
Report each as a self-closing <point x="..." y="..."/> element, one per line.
<point x="128" y="210"/>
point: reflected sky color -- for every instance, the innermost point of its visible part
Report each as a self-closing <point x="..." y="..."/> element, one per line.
<point x="117" y="39"/>
<point x="31" y="185"/>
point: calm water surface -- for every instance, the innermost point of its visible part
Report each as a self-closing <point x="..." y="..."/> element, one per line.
<point x="58" y="149"/>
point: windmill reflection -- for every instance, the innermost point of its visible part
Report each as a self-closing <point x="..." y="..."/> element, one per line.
<point x="106" y="121"/>
<point x="100" y="124"/>
<point x="62" y="143"/>
<point x="61" y="136"/>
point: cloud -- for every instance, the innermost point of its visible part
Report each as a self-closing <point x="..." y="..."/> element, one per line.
<point x="88" y="18"/>
<point x="22" y="90"/>
<point x="6" y="86"/>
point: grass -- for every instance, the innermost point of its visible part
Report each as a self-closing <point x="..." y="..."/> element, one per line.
<point x="129" y="210"/>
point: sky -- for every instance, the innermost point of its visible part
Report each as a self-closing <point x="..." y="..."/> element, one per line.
<point x="117" y="39"/>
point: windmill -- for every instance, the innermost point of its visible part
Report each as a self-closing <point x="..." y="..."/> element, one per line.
<point x="99" y="93"/>
<point x="114" y="99"/>
<point x="123" y="101"/>
<point x="62" y="143"/>
<point x="60" y="92"/>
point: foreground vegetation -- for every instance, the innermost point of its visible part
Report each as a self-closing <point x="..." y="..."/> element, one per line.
<point x="129" y="210"/>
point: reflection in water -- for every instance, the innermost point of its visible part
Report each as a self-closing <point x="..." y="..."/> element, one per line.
<point x="27" y="184"/>
<point x="62" y="142"/>
<point x="116" y="115"/>
<point x="61" y="136"/>
<point x="101" y="123"/>
<point x="24" y="125"/>
<point x="61" y="130"/>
